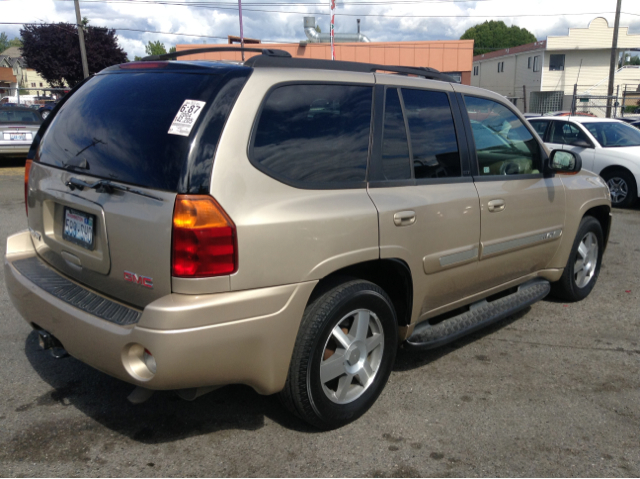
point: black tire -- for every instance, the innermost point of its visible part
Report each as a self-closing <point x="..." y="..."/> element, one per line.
<point x="623" y="187"/>
<point x="568" y="287"/>
<point x="304" y="393"/>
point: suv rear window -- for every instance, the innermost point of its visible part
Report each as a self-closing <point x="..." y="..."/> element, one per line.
<point x="117" y="125"/>
<point x="315" y="135"/>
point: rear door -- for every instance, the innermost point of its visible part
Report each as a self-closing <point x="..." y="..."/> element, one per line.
<point x="522" y="211"/>
<point x="103" y="185"/>
<point x="420" y="183"/>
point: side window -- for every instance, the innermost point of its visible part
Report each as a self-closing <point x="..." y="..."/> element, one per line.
<point x="315" y="134"/>
<point x="540" y="126"/>
<point x="566" y="133"/>
<point x="433" y="135"/>
<point x="556" y="62"/>
<point x="503" y="143"/>
<point x="395" y="146"/>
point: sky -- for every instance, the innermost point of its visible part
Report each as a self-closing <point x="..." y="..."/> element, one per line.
<point x="210" y="21"/>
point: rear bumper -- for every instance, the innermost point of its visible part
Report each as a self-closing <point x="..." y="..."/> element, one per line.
<point x="243" y="337"/>
<point x="14" y="149"/>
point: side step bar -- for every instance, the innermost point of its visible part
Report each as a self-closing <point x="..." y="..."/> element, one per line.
<point x="480" y="314"/>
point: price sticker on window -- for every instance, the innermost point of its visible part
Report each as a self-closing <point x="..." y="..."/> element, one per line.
<point x="186" y="117"/>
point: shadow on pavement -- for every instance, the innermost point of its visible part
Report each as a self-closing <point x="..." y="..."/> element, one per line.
<point x="164" y="417"/>
<point x="11" y="162"/>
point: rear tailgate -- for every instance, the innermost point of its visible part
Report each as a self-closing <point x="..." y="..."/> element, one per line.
<point x="103" y="184"/>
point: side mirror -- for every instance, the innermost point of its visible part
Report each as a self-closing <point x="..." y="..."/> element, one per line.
<point x="564" y="161"/>
<point x="581" y="144"/>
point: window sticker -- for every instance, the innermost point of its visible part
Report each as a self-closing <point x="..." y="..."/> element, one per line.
<point x="487" y="169"/>
<point x="186" y="117"/>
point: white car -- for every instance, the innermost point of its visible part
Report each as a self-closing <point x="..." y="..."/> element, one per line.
<point x="608" y="147"/>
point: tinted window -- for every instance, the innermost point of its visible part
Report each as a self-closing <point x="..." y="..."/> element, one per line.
<point x="503" y="143"/>
<point x="540" y="126"/>
<point x="19" y="116"/>
<point x="566" y="133"/>
<point x="433" y="135"/>
<point x="315" y="133"/>
<point x="119" y="124"/>
<point x="395" y="147"/>
<point x="613" y="134"/>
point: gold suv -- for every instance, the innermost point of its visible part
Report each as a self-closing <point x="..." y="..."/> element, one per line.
<point x="289" y="223"/>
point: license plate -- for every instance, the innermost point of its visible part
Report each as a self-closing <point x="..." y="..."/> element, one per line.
<point x="17" y="136"/>
<point x="79" y="228"/>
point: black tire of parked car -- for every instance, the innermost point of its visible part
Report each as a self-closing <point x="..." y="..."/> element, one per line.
<point x="303" y="393"/>
<point x="628" y="179"/>
<point x="566" y="288"/>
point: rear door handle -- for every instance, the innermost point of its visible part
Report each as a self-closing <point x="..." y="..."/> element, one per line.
<point x="496" y="205"/>
<point x="404" y="218"/>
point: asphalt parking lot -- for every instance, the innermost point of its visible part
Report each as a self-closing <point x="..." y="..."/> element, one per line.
<point x="553" y="391"/>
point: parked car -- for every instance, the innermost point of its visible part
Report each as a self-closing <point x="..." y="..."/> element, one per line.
<point x="18" y="128"/>
<point x="608" y="147"/>
<point x="288" y="223"/>
<point x="568" y="113"/>
<point x="46" y="109"/>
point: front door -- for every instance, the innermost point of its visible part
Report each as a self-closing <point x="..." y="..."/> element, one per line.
<point x="521" y="211"/>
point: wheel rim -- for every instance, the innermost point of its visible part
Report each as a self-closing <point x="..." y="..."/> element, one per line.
<point x="586" y="260"/>
<point x="352" y="356"/>
<point x="618" y="189"/>
<point x="45" y="114"/>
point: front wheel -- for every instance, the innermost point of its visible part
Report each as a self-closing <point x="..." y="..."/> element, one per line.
<point x="343" y="355"/>
<point x="623" y="188"/>
<point x="582" y="270"/>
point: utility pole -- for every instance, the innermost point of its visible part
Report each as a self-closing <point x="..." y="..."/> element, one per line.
<point x="614" y="58"/>
<point x="83" y="51"/>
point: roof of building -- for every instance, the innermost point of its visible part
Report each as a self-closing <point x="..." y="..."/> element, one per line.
<point x="6" y="75"/>
<point x="512" y="51"/>
<point x="14" y="52"/>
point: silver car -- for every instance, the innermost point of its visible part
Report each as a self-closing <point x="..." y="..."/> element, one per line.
<point x="18" y="128"/>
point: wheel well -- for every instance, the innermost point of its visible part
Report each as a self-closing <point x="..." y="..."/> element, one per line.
<point x="612" y="168"/>
<point x="602" y="214"/>
<point x="392" y="275"/>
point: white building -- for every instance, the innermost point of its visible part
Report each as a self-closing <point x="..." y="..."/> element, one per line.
<point x="548" y="70"/>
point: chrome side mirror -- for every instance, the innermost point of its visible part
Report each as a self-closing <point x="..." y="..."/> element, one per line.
<point x="564" y="161"/>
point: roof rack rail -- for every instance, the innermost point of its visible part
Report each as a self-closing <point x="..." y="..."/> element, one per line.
<point x="281" y="62"/>
<point x="171" y="56"/>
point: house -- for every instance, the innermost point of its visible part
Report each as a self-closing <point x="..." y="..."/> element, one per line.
<point x="540" y="77"/>
<point x="26" y="78"/>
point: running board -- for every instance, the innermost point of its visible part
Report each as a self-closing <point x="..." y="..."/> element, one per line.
<point x="480" y="314"/>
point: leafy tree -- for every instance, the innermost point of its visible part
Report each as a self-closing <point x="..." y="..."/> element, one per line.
<point x="54" y="52"/>
<point x="155" y="48"/>
<point x="495" y="35"/>
<point x="6" y="43"/>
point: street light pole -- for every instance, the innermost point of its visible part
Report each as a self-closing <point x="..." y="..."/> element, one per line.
<point x="614" y="58"/>
<point x="83" y="51"/>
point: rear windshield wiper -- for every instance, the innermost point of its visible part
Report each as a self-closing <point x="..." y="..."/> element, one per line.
<point x="105" y="186"/>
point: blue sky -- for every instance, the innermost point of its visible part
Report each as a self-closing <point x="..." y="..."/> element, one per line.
<point x="281" y="20"/>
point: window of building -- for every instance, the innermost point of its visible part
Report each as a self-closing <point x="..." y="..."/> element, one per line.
<point x="504" y="145"/>
<point x="315" y="134"/>
<point x="476" y="71"/>
<point x="500" y="67"/>
<point x="529" y="61"/>
<point x="33" y="84"/>
<point x="434" y="145"/>
<point x="536" y="63"/>
<point x="556" y="62"/>
<point x="40" y="83"/>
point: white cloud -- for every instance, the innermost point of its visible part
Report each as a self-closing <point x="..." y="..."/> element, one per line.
<point x="421" y="21"/>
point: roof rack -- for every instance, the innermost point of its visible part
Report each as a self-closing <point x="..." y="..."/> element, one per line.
<point x="265" y="52"/>
<point x="282" y="62"/>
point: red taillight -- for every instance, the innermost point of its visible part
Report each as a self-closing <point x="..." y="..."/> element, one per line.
<point x="204" y="238"/>
<point x="27" y="168"/>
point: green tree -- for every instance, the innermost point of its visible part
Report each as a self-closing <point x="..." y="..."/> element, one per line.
<point x="155" y="48"/>
<point x="495" y="35"/>
<point x="6" y="43"/>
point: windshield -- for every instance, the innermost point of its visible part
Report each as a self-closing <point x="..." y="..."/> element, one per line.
<point x="19" y="116"/>
<point x="614" y="134"/>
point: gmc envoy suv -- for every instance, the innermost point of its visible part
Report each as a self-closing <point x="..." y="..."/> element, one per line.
<point x="289" y="223"/>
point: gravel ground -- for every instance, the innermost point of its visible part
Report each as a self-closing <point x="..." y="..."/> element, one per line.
<point x="552" y="391"/>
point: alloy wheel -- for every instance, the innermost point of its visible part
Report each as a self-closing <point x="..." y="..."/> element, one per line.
<point x="586" y="260"/>
<point x="618" y="188"/>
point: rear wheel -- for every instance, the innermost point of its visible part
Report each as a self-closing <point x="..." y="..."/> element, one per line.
<point x="582" y="270"/>
<point x="343" y="355"/>
<point x="622" y="186"/>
